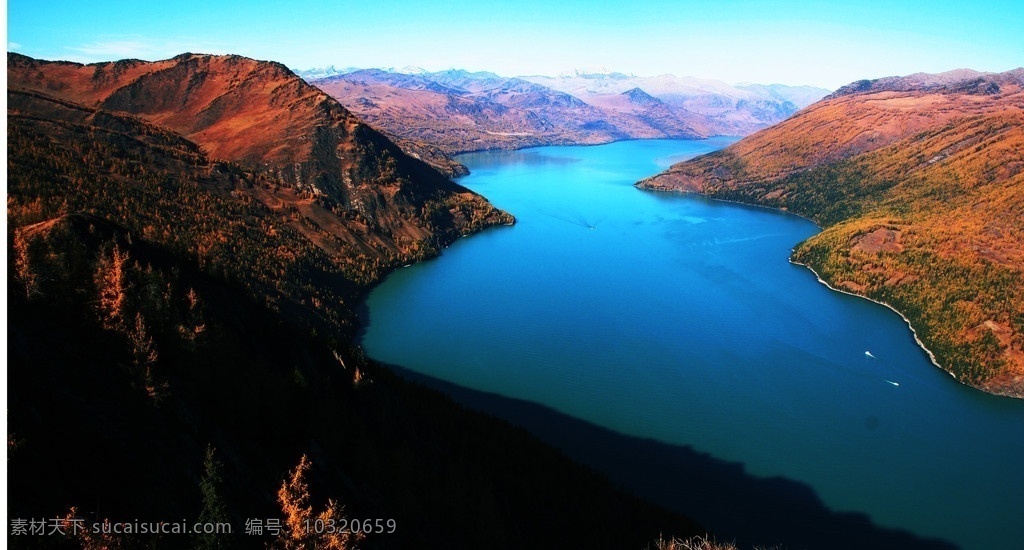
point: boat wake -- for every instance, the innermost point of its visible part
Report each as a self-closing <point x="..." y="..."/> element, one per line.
<point x="574" y="218"/>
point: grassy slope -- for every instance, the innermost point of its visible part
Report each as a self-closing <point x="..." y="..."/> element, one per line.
<point x="921" y="198"/>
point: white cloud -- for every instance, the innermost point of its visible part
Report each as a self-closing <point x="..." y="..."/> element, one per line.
<point x="14" y="46"/>
<point x="116" y="49"/>
<point x="126" y="47"/>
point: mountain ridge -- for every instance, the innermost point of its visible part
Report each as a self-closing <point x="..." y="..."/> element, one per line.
<point x="965" y="80"/>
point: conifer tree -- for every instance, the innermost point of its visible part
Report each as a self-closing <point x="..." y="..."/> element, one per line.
<point x="214" y="509"/>
<point x="111" y="281"/>
<point x="302" y="529"/>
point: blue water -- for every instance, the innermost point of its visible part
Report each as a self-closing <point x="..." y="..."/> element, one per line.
<point x="678" y="318"/>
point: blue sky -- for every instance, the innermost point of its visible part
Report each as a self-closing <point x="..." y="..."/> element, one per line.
<point x="755" y="41"/>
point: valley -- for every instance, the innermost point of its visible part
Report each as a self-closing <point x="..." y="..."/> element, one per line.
<point x="193" y="243"/>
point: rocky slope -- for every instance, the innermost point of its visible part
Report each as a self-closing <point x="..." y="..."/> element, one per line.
<point x="919" y="184"/>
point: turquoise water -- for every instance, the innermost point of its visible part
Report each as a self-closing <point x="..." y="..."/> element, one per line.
<point x="678" y="318"/>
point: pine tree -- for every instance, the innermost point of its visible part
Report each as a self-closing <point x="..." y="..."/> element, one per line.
<point x="214" y="509"/>
<point x="23" y="266"/>
<point x="145" y="357"/>
<point x="293" y="496"/>
<point x="111" y="280"/>
<point x="299" y="532"/>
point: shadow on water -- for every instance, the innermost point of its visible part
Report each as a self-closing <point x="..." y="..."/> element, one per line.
<point x="720" y="495"/>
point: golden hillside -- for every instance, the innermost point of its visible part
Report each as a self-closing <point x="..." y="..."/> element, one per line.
<point x="343" y="186"/>
<point x="919" y="187"/>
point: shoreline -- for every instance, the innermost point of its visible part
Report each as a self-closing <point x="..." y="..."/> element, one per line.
<point x="913" y="331"/>
<point x="587" y="144"/>
<point x="454" y="156"/>
<point x="728" y="201"/>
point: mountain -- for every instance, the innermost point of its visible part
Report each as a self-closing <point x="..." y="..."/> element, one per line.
<point x="461" y="79"/>
<point x="344" y="185"/>
<point x="188" y="241"/>
<point x="640" y="97"/>
<point x="459" y="111"/>
<point x="323" y="72"/>
<point x="918" y="182"/>
<point x="181" y="324"/>
<point x="725" y="109"/>
<point x="800" y="96"/>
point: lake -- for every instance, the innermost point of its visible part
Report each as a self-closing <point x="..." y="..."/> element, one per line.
<point x="678" y="319"/>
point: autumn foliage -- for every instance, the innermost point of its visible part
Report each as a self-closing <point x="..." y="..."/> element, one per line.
<point x="301" y="523"/>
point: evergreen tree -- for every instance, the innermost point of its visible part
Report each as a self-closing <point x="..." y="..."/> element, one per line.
<point x="214" y="509"/>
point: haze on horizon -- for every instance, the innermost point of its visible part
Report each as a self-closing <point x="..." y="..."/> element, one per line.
<point x="786" y="42"/>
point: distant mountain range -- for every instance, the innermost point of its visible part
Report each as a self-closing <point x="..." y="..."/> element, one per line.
<point x="727" y="110"/>
<point x="458" y="111"/>
<point x="919" y="184"/>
